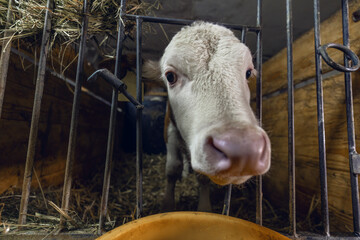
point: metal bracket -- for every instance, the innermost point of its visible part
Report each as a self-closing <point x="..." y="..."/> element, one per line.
<point x="355" y="158"/>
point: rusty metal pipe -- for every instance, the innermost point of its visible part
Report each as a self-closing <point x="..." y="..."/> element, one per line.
<point x="5" y="55"/>
<point x="259" y="193"/>
<point x="39" y="89"/>
<point x="74" y="116"/>
<point x="139" y="150"/>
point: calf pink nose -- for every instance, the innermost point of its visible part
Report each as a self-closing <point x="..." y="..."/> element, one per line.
<point x="239" y="152"/>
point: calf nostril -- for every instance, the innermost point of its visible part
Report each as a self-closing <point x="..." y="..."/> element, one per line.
<point x="222" y="162"/>
<point x="240" y="153"/>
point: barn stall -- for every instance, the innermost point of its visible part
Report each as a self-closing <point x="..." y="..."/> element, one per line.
<point x="82" y="215"/>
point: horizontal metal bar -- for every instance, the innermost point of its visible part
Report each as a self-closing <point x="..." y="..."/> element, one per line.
<point x="187" y="22"/>
<point x="322" y="237"/>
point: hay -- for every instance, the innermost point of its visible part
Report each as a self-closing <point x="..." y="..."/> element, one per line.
<point x="86" y="195"/>
<point x="28" y="18"/>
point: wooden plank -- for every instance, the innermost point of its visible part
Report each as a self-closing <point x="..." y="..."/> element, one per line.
<point x="306" y="145"/>
<point x="306" y="138"/>
<point x="275" y="69"/>
<point x="53" y="130"/>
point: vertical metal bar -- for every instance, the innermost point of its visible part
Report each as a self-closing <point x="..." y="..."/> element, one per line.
<point x="112" y="124"/>
<point x="291" y="132"/>
<point x="350" y="121"/>
<point x="74" y="115"/>
<point x="227" y="201"/>
<point x="259" y="194"/>
<point x="39" y="89"/>
<point x="139" y="192"/>
<point x="5" y="55"/>
<point x="243" y="35"/>
<point x="320" y="117"/>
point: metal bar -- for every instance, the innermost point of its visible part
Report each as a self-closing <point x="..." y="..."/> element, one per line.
<point x="319" y="237"/>
<point x="109" y="77"/>
<point x="5" y="55"/>
<point x="350" y="122"/>
<point x="227" y="201"/>
<point x="243" y="35"/>
<point x="291" y="132"/>
<point x="74" y="115"/>
<point x="228" y="193"/>
<point x="139" y="192"/>
<point x="39" y="89"/>
<point x="188" y="22"/>
<point x="112" y="124"/>
<point x="259" y="194"/>
<point x="321" y="128"/>
<point x="115" y="83"/>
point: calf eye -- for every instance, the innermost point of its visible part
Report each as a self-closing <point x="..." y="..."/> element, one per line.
<point x="248" y="74"/>
<point x="171" y="77"/>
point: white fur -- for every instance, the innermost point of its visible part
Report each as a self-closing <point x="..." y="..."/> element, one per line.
<point x="211" y="92"/>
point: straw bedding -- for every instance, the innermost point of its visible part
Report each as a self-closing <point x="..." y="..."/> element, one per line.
<point x="86" y="195"/>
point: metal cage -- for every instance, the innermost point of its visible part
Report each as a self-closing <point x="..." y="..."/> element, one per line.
<point x="320" y="53"/>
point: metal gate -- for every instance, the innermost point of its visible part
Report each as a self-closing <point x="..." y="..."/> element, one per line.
<point x="320" y="53"/>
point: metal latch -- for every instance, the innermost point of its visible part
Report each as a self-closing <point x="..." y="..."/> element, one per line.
<point x="115" y="83"/>
<point x="355" y="158"/>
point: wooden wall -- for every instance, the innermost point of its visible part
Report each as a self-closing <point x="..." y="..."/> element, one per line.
<point x="306" y="136"/>
<point x="51" y="147"/>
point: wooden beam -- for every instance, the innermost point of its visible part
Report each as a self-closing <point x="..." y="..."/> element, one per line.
<point x="306" y="148"/>
<point x="275" y="69"/>
<point x="275" y="118"/>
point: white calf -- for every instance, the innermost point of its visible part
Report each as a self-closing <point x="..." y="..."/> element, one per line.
<point x="212" y="126"/>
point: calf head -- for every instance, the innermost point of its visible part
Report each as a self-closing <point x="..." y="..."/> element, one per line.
<point x="205" y="69"/>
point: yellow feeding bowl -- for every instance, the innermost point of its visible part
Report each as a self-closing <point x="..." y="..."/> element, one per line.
<point x="191" y="226"/>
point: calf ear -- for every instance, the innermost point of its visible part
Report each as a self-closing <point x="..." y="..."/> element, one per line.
<point x="151" y="70"/>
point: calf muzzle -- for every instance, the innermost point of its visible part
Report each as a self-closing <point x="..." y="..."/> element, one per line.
<point x="238" y="153"/>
